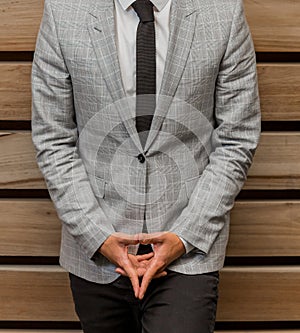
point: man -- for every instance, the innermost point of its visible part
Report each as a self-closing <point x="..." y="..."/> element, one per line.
<point x="145" y="121"/>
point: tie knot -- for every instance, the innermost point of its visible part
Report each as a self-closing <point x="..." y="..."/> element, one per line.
<point x="144" y="9"/>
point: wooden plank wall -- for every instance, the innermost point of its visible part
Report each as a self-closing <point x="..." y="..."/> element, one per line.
<point x="260" y="284"/>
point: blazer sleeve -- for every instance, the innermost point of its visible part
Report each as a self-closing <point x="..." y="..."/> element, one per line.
<point x="237" y="131"/>
<point x="54" y="135"/>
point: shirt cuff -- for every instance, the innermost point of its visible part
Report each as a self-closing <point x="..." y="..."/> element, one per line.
<point x="188" y="247"/>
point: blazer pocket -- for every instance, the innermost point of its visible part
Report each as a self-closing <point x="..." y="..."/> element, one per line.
<point x="98" y="185"/>
<point x="190" y="185"/>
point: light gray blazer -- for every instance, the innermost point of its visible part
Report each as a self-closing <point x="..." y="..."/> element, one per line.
<point x="199" y="148"/>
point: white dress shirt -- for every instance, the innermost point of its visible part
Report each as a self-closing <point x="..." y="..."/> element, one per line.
<point x="126" y="22"/>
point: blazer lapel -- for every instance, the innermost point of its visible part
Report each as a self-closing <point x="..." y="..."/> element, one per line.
<point x="101" y="26"/>
<point x="102" y="33"/>
<point x="182" y="26"/>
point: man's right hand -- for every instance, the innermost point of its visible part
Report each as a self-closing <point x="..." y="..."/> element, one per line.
<point x="141" y="264"/>
<point x="115" y="249"/>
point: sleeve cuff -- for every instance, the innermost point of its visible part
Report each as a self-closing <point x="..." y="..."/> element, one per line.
<point x="188" y="247"/>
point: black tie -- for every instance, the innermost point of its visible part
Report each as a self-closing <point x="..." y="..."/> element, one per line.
<point x="145" y="68"/>
<point x="145" y="77"/>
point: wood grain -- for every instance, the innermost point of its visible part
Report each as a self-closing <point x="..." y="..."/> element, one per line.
<point x="15" y="91"/>
<point x="279" y="91"/>
<point x="275" y="25"/>
<point x="41" y="293"/>
<point x="265" y="228"/>
<point x="30" y="227"/>
<point x="259" y="294"/>
<point x="35" y="293"/>
<point x="19" y="24"/>
<point x="18" y="167"/>
<point x="276" y="162"/>
<point x="278" y="85"/>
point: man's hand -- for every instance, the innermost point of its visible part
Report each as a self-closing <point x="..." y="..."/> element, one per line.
<point x="115" y="249"/>
<point x="141" y="264"/>
<point x="167" y="248"/>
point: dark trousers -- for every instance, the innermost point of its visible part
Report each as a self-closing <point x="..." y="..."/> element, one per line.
<point x="176" y="303"/>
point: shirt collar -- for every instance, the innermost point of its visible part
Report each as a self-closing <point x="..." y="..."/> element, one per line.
<point x="159" y="4"/>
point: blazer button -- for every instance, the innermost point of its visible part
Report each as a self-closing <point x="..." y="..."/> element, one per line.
<point x="141" y="158"/>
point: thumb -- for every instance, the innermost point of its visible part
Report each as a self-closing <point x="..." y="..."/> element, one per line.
<point x="126" y="239"/>
<point x="156" y="237"/>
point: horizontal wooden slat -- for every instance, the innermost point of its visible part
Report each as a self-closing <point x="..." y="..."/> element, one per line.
<point x="274" y="24"/>
<point x="265" y="228"/>
<point x="30" y="227"/>
<point x="19" y="24"/>
<point x="259" y="294"/>
<point x="276" y="163"/>
<point x="279" y="91"/>
<point x="18" y="167"/>
<point x="37" y="293"/>
<point x="15" y="91"/>
<point x="278" y="85"/>
<point x="41" y="293"/>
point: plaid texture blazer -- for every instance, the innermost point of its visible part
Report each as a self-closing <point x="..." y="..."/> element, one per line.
<point x="200" y="146"/>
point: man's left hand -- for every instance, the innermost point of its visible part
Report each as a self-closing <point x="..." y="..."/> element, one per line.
<point x="167" y="247"/>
